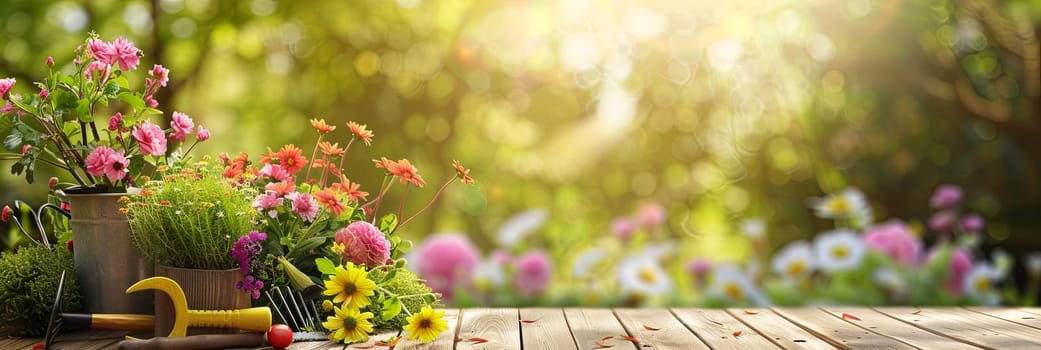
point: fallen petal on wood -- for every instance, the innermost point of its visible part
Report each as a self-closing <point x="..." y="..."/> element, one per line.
<point x="651" y="328"/>
<point x="478" y="340"/>
<point x="737" y="334"/>
<point x="629" y="338"/>
<point x="846" y="316"/>
<point x="601" y="344"/>
<point x="748" y="312"/>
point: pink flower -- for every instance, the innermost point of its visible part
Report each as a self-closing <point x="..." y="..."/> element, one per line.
<point x="106" y="161"/>
<point x="202" y="134"/>
<point x="44" y="93"/>
<point x="501" y="256"/>
<point x="972" y="223"/>
<point x="943" y="221"/>
<point x="124" y="52"/>
<point x="275" y="172"/>
<point x="5" y="86"/>
<point x="961" y="263"/>
<point x="946" y="196"/>
<point x="160" y="74"/>
<point x="364" y="244"/>
<point x="268" y="200"/>
<point x="446" y="261"/>
<point x="104" y="70"/>
<point x="304" y="206"/>
<point x="651" y="215"/>
<point x="151" y="101"/>
<point x="49" y="61"/>
<point x="52" y="182"/>
<point x="5" y="216"/>
<point x="7" y="108"/>
<point x="115" y="122"/>
<point x="101" y="51"/>
<point x="26" y="148"/>
<point x="700" y="269"/>
<point x="895" y="239"/>
<point x="623" y="227"/>
<point x="533" y="273"/>
<point x="151" y="139"/>
<point x="182" y="125"/>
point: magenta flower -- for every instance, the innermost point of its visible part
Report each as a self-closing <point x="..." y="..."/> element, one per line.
<point x="533" y="272"/>
<point x="202" y="134"/>
<point x="446" y="261"/>
<point x="5" y="86"/>
<point x="943" y="221"/>
<point x="125" y="53"/>
<point x="182" y="125"/>
<point x="115" y="122"/>
<point x="972" y="223"/>
<point x="49" y="61"/>
<point x="106" y="161"/>
<point x="7" y="108"/>
<point x="101" y="51"/>
<point x="895" y="239"/>
<point x="6" y="214"/>
<point x="363" y="244"/>
<point x="304" y="206"/>
<point x="961" y="263"/>
<point x="946" y="196"/>
<point x="26" y="148"/>
<point x="268" y="200"/>
<point x="275" y="172"/>
<point x="160" y="75"/>
<point x="623" y="227"/>
<point x="151" y="139"/>
<point x="44" y="93"/>
<point x="104" y="70"/>
<point x="700" y="269"/>
<point x="651" y="215"/>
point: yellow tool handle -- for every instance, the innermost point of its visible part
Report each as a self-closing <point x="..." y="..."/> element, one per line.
<point x="253" y="319"/>
<point x="127" y="322"/>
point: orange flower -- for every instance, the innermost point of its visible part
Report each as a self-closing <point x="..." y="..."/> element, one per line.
<point x="361" y="132"/>
<point x="383" y="163"/>
<point x="330" y="201"/>
<point x="350" y="188"/>
<point x="281" y="188"/>
<point x="330" y="149"/>
<point x="463" y="173"/>
<point x="321" y="126"/>
<point x="405" y="172"/>
<point x="318" y="163"/>
<point x="291" y="158"/>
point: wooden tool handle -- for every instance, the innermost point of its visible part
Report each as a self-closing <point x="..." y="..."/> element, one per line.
<point x="196" y="342"/>
<point x="115" y="322"/>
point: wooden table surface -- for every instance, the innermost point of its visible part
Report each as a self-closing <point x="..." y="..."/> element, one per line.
<point x="686" y="328"/>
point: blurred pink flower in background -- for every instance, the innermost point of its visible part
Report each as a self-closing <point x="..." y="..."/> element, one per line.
<point x="700" y="268"/>
<point x="364" y="244"/>
<point x="501" y="256"/>
<point x="961" y="263"/>
<point x="623" y="227"/>
<point x="943" y="221"/>
<point x="446" y="260"/>
<point x="533" y="272"/>
<point x="972" y="223"/>
<point x="946" y="196"/>
<point x="895" y="239"/>
<point x="651" y="215"/>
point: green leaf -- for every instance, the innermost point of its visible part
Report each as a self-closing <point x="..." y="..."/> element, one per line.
<point x="6" y="125"/>
<point x="137" y="162"/>
<point x="391" y="308"/>
<point x="64" y="101"/>
<point x="111" y="89"/>
<point x="13" y="140"/>
<point x="316" y="227"/>
<point x="304" y="247"/>
<point x="120" y="81"/>
<point x="388" y="223"/>
<point x="325" y="266"/>
<point x="83" y="110"/>
<point x="131" y="99"/>
<point x="25" y="105"/>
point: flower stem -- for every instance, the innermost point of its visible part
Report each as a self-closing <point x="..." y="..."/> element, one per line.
<point x="314" y="153"/>
<point x="401" y="205"/>
<point x="438" y="194"/>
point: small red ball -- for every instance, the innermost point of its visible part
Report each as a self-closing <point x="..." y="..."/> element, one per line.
<point x="279" y="336"/>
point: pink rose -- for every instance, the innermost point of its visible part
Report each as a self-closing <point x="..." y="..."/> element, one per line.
<point x="151" y="139"/>
<point x="106" y="161"/>
<point x="895" y="239"/>
<point x="364" y="244"/>
<point x="182" y="125"/>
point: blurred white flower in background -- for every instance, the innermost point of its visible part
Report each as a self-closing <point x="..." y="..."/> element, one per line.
<point x="794" y="261"/>
<point x="839" y="250"/>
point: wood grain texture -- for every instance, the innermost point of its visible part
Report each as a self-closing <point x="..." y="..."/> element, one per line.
<point x="968" y="326"/>
<point x="779" y="330"/>
<point x="500" y="327"/>
<point x="671" y="333"/>
<point x="838" y="332"/>
<point x="545" y="329"/>
<point x="18" y="343"/>
<point x="445" y="341"/>
<point x="717" y="329"/>
<point x="590" y="325"/>
<point x="876" y="322"/>
<point x="1012" y="315"/>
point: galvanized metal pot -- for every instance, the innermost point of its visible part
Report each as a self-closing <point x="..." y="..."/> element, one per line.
<point x="107" y="261"/>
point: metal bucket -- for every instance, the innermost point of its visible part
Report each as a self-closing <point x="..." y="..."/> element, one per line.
<point x="107" y="261"/>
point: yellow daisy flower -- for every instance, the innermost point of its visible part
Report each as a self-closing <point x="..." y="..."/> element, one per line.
<point x="350" y="286"/>
<point x="426" y="324"/>
<point x="348" y="325"/>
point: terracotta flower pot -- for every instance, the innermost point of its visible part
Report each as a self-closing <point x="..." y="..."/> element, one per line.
<point x="204" y="290"/>
<point x="107" y="261"/>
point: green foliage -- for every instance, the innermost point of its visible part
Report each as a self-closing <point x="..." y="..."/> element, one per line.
<point x="409" y="290"/>
<point x="191" y="219"/>
<point x="28" y="283"/>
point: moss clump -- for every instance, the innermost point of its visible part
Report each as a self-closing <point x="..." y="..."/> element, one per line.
<point x="403" y="283"/>
<point x="28" y="282"/>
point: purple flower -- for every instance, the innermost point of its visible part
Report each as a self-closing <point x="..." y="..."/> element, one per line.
<point x="972" y="223"/>
<point x="946" y="196"/>
<point x="247" y="251"/>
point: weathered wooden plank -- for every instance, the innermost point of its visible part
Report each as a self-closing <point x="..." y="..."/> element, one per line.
<point x="18" y="343"/>
<point x="836" y="331"/>
<point x="99" y="344"/>
<point x="445" y="341"/>
<point x="1012" y="315"/>
<point x="873" y="321"/>
<point x="376" y="337"/>
<point x="968" y="326"/>
<point x="590" y="325"/>
<point x="720" y="330"/>
<point x="545" y="329"/>
<point x="671" y="333"/>
<point x="779" y="330"/>
<point x="500" y="327"/>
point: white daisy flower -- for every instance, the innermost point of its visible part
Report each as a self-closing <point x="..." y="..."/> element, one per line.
<point x="518" y="226"/>
<point x="642" y="274"/>
<point x="489" y="274"/>
<point x="794" y="261"/>
<point x="979" y="284"/>
<point x="1033" y="263"/>
<point x="729" y="282"/>
<point x="1002" y="262"/>
<point x="754" y="229"/>
<point x="848" y="204"/>
<point x="839" y="250"/>
<point x="585" y="262"/>
<point x="890" y="281"/>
